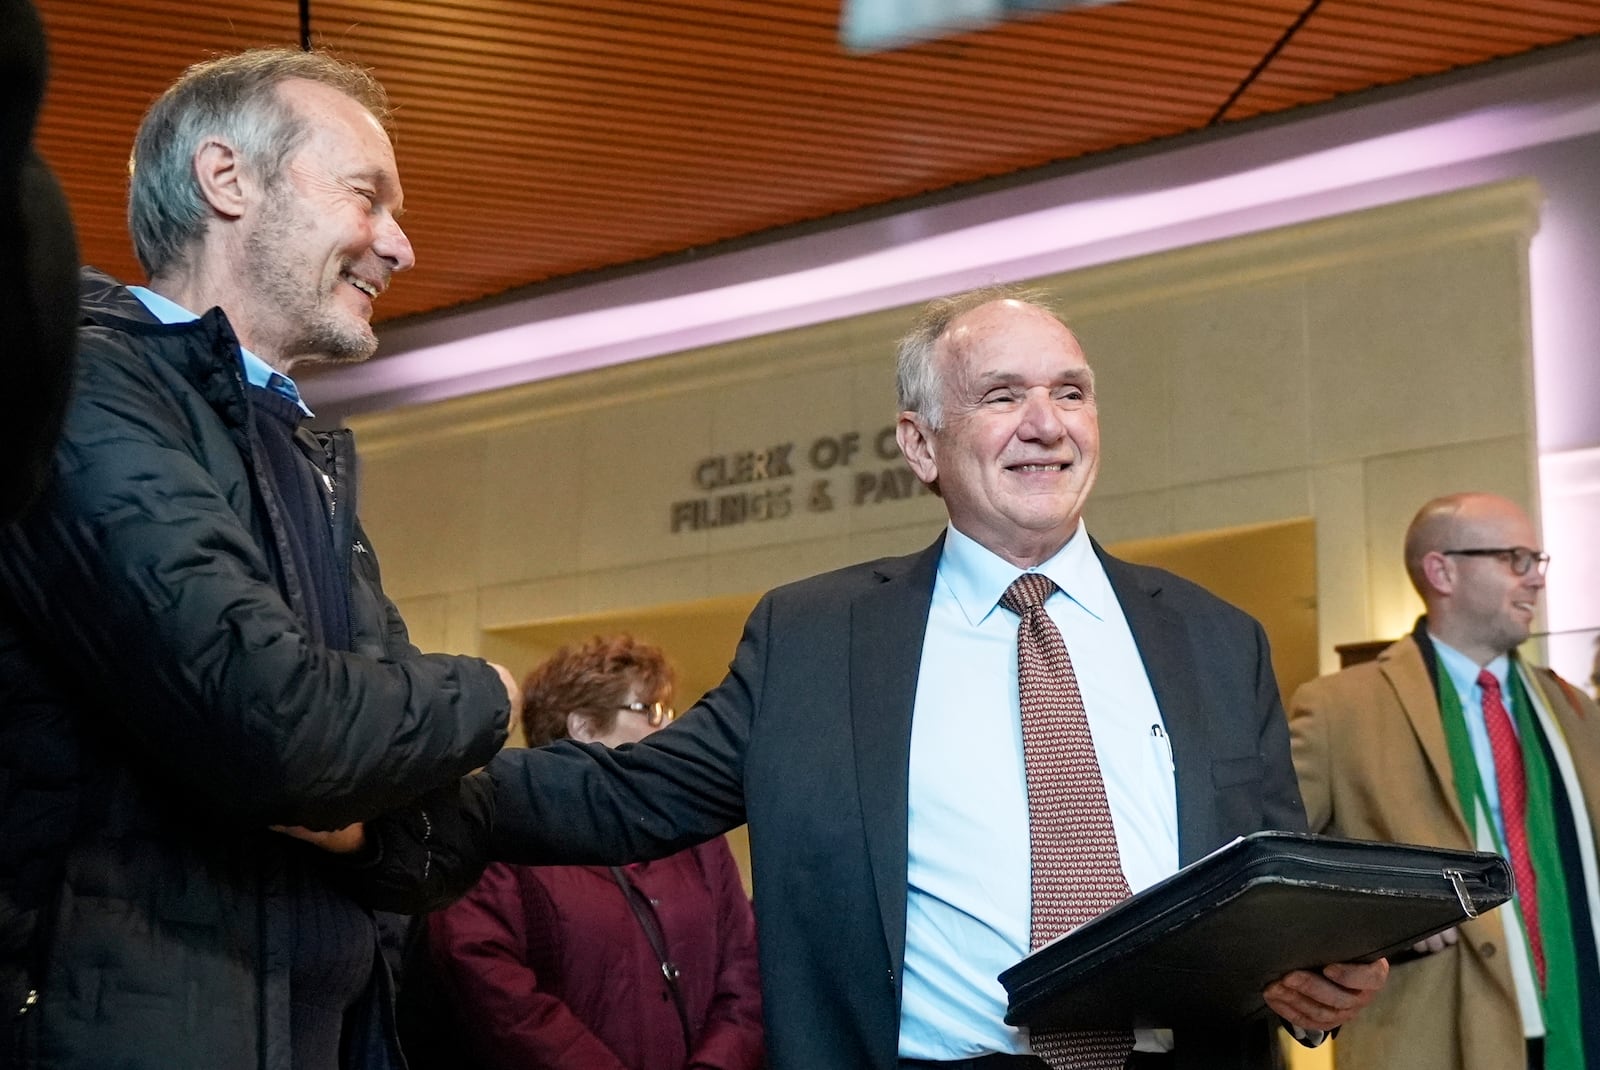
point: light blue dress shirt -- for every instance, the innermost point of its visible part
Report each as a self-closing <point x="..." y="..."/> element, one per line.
<point x="1463" y="673"/>
<point x="257" y="372"/>
<point x="967" y="904"/>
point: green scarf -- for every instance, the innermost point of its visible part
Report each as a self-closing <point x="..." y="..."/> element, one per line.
<point x="1559" y="996"/>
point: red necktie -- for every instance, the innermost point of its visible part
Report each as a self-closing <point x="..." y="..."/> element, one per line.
<point x="1513" y="784"/>
<point x="1077" y="870"/>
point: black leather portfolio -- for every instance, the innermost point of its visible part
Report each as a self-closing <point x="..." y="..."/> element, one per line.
<point x="1200" y="946"/>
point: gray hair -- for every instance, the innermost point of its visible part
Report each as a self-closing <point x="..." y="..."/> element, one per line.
<point x="917" y="374"/>
<point x="235" y="98"/>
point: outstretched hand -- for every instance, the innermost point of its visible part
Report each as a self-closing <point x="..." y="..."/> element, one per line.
<point x="513" y="695"/>
<point x="1325" y="1001"/>
<point x="347" y="840"/>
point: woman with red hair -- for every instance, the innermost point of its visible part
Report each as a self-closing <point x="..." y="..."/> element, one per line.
<point x="643" y="967"/>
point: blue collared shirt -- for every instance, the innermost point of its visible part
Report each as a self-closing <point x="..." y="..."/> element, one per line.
<point x="968" y="900"/>
<point x="257" y="372"/>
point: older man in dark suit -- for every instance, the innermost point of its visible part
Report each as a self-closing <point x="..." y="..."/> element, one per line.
<point x="911" y="834"/>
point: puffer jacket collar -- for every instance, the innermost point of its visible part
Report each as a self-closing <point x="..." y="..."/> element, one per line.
<point x="208" y="356"/>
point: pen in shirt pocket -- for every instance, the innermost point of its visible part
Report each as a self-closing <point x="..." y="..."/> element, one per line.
<point x="1162" y="746"/>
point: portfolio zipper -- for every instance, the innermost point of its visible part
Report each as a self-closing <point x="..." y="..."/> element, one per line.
<point x="1457" y="879"/>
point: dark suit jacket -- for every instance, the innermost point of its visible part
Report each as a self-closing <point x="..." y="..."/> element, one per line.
<point x="808" y="738"/>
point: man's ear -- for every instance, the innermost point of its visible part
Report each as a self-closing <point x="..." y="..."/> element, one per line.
<point x="916" y="444"/>
<point x="1438" y="572"/>
<point x="578" y="728"/>
<point x="219" y="171"/>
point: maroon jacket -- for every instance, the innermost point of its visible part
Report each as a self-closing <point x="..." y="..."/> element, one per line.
<point x="548" y="967"/>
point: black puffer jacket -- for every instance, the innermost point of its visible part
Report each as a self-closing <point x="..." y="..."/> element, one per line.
<point x="161" y="703"/>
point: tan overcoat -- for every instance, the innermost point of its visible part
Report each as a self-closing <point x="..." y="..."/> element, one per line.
<point x="1370" y="751"/>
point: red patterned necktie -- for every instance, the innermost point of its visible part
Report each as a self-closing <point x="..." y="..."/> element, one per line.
<point x="1512" y="780"/>
<point x="1077" y="870"/>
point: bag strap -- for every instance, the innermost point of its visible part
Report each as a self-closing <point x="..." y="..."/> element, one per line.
<point x="646" y="915"/>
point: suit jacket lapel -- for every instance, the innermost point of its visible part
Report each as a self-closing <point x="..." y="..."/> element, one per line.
<point x="887" y="625"/>
<point x="1163" y="644"/>
<point x="1402" y="666"/>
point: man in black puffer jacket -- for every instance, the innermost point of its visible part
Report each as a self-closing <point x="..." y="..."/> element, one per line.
<point x="198" y="665"/>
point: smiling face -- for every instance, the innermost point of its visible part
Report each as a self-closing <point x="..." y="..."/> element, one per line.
<point x="1478" y="604"/>
<point x="1019" y="444"/>
<point x="321" y="243"/>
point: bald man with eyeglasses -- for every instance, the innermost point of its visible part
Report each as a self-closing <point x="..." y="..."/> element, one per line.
<point x="1451" y="738"/>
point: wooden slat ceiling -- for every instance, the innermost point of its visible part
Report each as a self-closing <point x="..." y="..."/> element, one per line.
<point x="540" y="140"/>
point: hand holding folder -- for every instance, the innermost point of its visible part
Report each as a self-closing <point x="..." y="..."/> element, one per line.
<point x="1201" y="946"/>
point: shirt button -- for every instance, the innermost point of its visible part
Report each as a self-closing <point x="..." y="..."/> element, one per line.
<point x="1487" y="948"/>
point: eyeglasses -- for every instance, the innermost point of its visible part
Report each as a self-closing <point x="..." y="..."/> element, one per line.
<point x="1520" y="558"/>
<point x="659" y="712"/>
